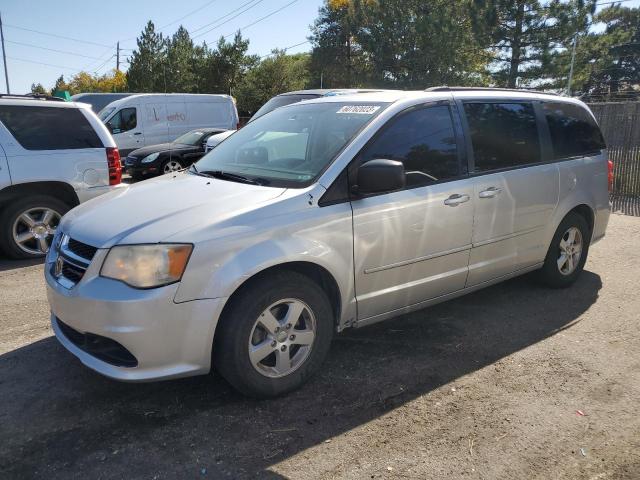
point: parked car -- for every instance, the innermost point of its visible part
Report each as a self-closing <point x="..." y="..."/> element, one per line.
<point x="333" y="213"/>
<point x="98" y="100"/>
<point x="150" y="119"/>
<point x="286" y="99"/>
<point x="169" y="157"/>
<point x="53" y="156"/>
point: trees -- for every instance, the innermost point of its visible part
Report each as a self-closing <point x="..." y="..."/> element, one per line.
<point x="525" y="35"/>
<point x="147" y="65"/>
<point x="38" y="89"/>
<point x="276" y="74"/>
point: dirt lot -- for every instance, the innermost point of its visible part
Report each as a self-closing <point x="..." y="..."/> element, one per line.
<point x="483" y="387"/>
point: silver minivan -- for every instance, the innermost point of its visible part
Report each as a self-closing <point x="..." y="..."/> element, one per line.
<point x="323" y="215"/>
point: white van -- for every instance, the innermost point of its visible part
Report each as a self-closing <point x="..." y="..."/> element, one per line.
<point x="152" y="118"/>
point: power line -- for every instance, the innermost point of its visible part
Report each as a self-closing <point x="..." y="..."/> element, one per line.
<point x="286" y="48"/>
<point x="57" y="36"/>
<point x="45" y="64"/>
<point x="53" y="49"/>
<point x="225" y="16"/>
<point x="187" y="15"/>
<point x="263" y="18"/>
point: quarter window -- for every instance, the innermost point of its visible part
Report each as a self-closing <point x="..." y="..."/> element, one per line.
<point x="424" y="141"/>
<point x="573" y="131"/>
<point x="123" y="121"/>
<point x="503" y="135"/>
<point x="49" y="128"/>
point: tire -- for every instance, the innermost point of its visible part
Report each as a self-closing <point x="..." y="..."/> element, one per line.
<point x="171" y="165"/>
<point x="13" y="225"/>
<point x="284" y="293"/>
<point x="555" y="273"/>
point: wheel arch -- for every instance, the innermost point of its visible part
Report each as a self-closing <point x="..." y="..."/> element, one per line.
<point x="586" y="212"/>
<point x="59" y="190"/>
<point x="317" y="273"/>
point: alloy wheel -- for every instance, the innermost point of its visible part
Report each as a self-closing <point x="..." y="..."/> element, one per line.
<point x="34" y="229"/>
<point x="172" y="166"/>
<point x="282" y="338"/>
<point x="570" y="251"/>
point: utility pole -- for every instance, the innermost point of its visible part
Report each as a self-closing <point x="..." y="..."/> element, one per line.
<point x="118" y="56"/>
<point x="573" y="59"/>
<point x="4" y="57"/>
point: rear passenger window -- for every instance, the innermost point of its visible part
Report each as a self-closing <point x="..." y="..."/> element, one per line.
<point x="123" y="121"/>
<point x="49" y="128"/>
<point x="503" y="135"/>
<point x="573" y="131"/>
<point x="424" y="140"/>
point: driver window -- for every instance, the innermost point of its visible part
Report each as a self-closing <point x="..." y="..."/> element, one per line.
<point x="123" y="121"/>
<point x="424" y="141"/>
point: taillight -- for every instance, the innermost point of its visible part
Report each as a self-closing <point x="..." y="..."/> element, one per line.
<point x="610" y="175"/>
<point x="115" y="168"/>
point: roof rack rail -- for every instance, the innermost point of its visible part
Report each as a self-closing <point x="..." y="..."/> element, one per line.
<point x="32" y="96"/>
<point x="445" y="88"/>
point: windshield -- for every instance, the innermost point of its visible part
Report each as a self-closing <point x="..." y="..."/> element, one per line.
<point x="105" y="112"/>
<point x="190" y="138"/>
<point x="280" y="101"/>
<point x="291" y="146"/>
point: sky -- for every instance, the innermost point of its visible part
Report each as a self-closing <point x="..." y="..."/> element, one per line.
<point x="37" y="53"/>
<point x="96" y="29"/>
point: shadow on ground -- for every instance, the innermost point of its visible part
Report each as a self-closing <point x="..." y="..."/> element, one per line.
<point x="7" y="264"/>
<point x="60" y="420"/>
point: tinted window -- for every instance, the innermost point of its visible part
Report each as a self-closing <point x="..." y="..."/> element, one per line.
<point x="503" y="135"/>
<point x="49" y="128"/>
<point x="123" y="121"/>
<point x="573" y="131"/>
<point x="424" y="140"/>
<point x="280" y="101"/>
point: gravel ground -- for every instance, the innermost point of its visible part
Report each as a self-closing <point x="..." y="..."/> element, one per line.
<point x="492" y="385"/>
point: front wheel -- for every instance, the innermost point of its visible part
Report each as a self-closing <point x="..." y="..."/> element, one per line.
<point x="274" y="335"/>
<point x="171" y="165"/>
<point x="567" y="253"/>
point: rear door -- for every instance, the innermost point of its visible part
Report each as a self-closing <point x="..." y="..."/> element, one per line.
<point x="413" y="245"/>
<point x="515" y="190"/>
<point x="5" y="176"/>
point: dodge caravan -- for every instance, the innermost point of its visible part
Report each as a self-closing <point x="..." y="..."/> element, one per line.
<point x="322" y="215"/>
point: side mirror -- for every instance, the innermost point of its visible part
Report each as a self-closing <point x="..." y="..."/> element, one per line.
<point x="379" y="176"/>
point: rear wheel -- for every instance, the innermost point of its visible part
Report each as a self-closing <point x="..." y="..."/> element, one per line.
<point x="28" y="225"/>
<point x="274" y="335"/>
<point x="568" y="252"/>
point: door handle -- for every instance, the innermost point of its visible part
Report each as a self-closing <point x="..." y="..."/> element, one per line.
<point x="490" y="192"/>
<point x="138" y="133"/>
<point x="456" y="199"/>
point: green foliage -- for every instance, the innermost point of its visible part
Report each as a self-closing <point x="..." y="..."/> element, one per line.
<point x="148" y="65"/>
<point x="37" y="88"/>
<point x="275" y="74"/>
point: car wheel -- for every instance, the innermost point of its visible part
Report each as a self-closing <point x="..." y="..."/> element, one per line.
<point x="273" y="335"/>
<point x="567" y="253"/>
<point x="171" y="165"/>
<point x="27" y="226"/>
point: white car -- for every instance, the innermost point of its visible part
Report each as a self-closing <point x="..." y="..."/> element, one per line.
<point x="54" y="155"/>
<point x="214" y="140"/>
<point x="153" y="118"/>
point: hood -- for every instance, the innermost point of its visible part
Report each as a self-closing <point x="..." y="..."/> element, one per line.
<point x="153" y="210"/>
<point x="161" y="147"/>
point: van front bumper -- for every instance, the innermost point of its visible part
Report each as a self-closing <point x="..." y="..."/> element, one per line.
<point x="102" y="322"/>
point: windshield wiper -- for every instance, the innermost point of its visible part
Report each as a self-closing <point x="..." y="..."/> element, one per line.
<point x="234" y="177"/>
<point x="193" y="168"/>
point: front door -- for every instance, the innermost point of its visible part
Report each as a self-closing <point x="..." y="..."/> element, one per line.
<point x="126" y="130"/>
<point x="413" y="245"/>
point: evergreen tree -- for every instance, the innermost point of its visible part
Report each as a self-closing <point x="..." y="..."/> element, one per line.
<point x="148" y="66"/>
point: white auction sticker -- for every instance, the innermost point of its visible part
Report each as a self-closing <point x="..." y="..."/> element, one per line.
<point x="361" y="109"/>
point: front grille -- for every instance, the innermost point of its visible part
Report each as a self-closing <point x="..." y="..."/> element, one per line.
<point x="74" y="257"/>
<point x="82" y="249"/>
<point x="102" y="348"/>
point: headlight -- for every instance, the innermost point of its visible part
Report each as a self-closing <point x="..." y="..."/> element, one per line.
<point x="146" y="266"/>
<point x="150" y="158"/>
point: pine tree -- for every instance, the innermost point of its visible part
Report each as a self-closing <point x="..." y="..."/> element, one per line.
<point x="148" y="66"/>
